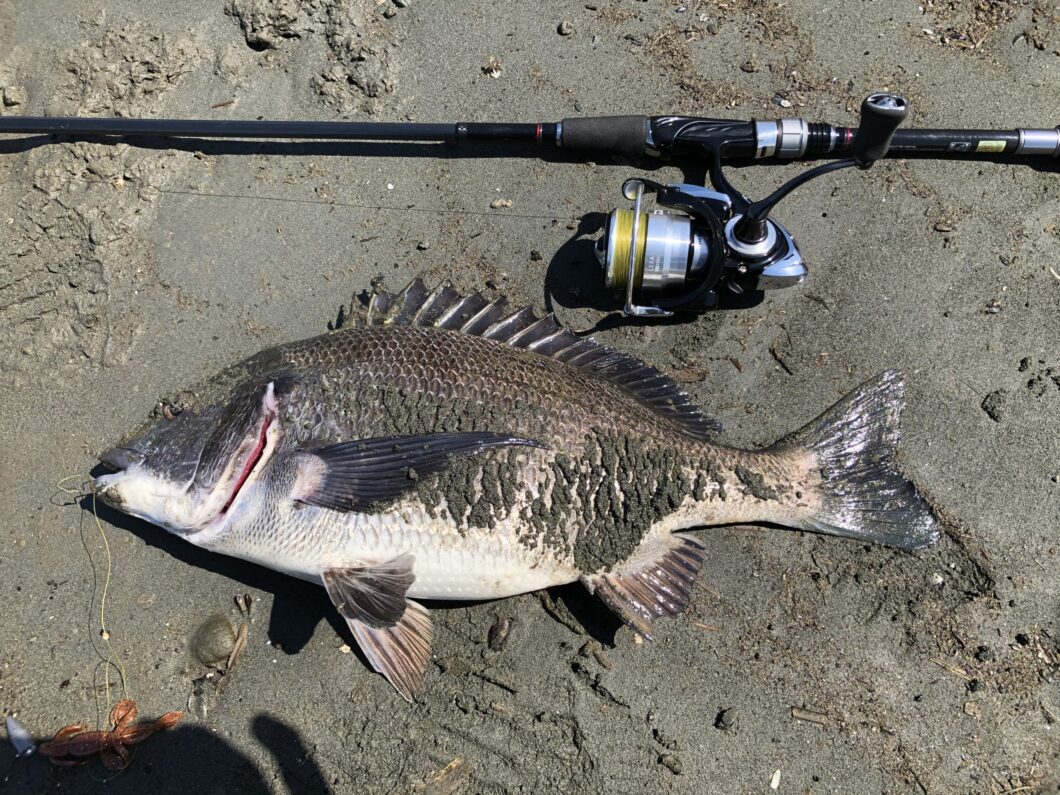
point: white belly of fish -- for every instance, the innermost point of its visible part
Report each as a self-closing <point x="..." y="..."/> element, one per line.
<point x="304" y="541"/>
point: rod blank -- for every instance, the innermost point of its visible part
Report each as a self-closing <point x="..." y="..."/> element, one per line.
<point x="223" y="128"/>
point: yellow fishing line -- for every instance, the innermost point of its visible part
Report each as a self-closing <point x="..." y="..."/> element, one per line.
<point x="111" y="659"/>
<point x="623" y="240"/>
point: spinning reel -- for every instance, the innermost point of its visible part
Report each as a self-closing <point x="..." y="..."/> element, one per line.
<point x="706" y="240"/>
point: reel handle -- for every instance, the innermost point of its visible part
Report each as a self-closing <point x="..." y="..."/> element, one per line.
<point x="881" y="115"/>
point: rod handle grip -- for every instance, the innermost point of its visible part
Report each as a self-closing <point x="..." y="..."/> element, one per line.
<point x="618" y="135"/>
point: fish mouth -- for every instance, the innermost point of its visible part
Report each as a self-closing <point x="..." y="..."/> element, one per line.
<point x="253" y="459"/>
<point x="205" y="498"/>
<point x="136" y="491"/>
<point x="118" y="459"/>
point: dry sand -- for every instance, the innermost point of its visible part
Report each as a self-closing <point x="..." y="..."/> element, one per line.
<point x="127" y="273"/>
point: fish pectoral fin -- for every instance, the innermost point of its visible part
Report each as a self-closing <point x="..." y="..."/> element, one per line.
<point x="399" y="652"/>
<point x="352" y="476"/>
<point x="655" y="581"/>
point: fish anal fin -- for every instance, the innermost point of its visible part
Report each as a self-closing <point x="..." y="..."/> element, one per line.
<point x="475" y="315"/>
<point x="655" y="582"/>
<point x="352" y="476"/>
<point x="399" y="652"/>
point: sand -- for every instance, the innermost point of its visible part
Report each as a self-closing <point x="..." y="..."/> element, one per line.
<point x="129" y="273"/>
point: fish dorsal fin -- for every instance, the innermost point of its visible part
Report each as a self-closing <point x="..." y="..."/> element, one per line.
<point x="474" y="314"/>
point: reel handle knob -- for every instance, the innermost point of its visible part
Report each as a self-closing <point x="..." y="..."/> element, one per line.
<point x="881" y="114"/>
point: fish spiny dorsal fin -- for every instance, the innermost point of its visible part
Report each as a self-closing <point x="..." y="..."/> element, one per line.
<point x="406" y="304"/>
<point x="435" y="305"/>
<point x="445" y="307"/>
<point x="378" y="306"/>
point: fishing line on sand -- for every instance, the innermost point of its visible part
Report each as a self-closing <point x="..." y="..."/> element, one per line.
<point x="111" y="659"/>
<point x="492" y="214"/>
<point x="360" y="206"/>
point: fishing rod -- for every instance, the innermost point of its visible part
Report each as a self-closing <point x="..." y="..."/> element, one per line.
<point x="705" y="239"/>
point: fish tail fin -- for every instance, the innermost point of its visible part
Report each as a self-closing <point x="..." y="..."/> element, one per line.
<point x="862" y="495"/>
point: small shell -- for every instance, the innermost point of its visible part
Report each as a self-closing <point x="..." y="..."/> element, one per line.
<point x="498" y="634"/>
<point x="21" y="739"/>
<point x="197" y="703"/>
<point x="213" y="640"/>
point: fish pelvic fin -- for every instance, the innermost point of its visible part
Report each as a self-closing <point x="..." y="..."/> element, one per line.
<point x="654" y="582"/>
<point x="401" y="652"/>
<point x="373" y="595"/>
<point x="863" y="495"/>
<point x="393" y="632"/>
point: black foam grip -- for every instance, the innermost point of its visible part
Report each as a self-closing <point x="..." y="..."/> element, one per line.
<point x="620" y="135"/>
<point x="880" y="116"/>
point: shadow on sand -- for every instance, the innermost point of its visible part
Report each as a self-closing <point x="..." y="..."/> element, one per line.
<point x="187" y="758"/>
<point x="297" y="606"/>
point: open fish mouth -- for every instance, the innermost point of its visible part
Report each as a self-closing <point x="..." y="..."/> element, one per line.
<point x="256" y="456"/>
<point x="137" y="485"/>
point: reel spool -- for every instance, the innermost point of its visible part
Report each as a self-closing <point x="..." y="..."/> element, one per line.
<point x="669" y="251"/>
<point x="673" y="259"/>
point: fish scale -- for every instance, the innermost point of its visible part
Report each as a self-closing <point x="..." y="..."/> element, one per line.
<point x="443" y="446"/>
<point x="449" y="564"/>
<point x="448" y="364"/>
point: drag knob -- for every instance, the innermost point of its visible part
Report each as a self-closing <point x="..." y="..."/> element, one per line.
<point x="881" y="114"/>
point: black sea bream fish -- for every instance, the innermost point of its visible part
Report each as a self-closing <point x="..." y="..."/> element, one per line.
<point x="445" y="447"/>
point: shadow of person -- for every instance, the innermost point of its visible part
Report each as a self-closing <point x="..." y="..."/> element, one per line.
<point x="299" y="769"/>
<point x="186" y="758"/>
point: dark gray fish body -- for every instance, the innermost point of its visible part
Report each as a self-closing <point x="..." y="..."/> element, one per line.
<point x="443" y="447"/>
